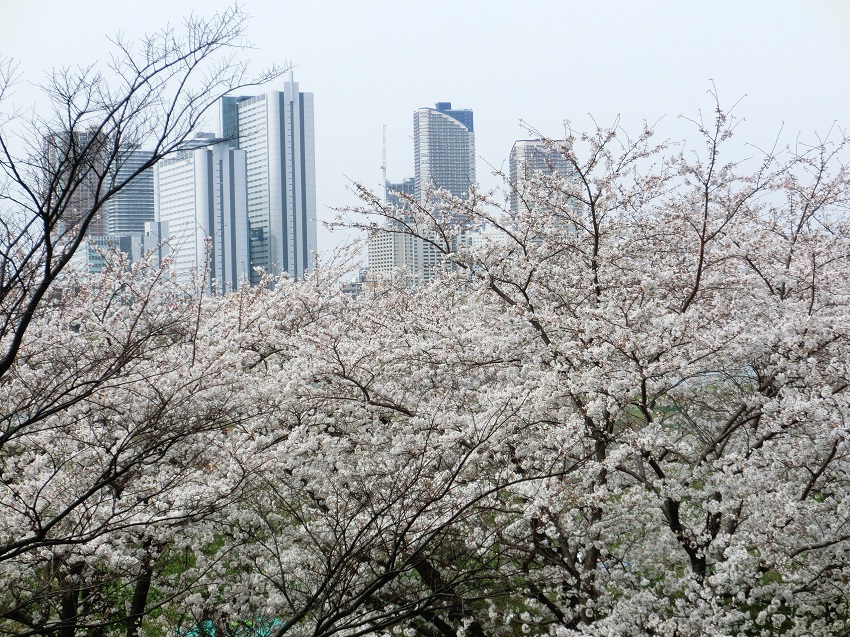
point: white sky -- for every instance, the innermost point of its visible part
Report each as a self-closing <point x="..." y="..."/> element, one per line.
<point x="373" y="62"/>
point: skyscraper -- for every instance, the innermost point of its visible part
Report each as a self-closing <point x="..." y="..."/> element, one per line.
<point x="531" y="158"/>
<point x="81" y="169"/>
<point x="275" y="130"/>
<point x="201" y="207"/>
<point x="444" y="157"/>
<point x="124" y="213"/>
<point x="444" y="149"/>
<point x="75" y="167"/>
<point x="132" y="207"/>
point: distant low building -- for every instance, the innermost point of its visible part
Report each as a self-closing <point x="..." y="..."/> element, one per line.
<point x="93" y="252"/>
<point x="397" y="191"/>
<point x="357" y="285"/>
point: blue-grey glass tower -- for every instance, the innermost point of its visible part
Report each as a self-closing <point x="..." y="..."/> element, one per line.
<point x="275" y="129"/>
<point x="444" y="149"/>
<point x="129" y="210"/>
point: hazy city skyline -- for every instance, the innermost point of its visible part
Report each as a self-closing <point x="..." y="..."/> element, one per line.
<point x="373" y="63"/>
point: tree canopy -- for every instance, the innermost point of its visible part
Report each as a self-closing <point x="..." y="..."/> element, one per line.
<point x="624" y="413"/>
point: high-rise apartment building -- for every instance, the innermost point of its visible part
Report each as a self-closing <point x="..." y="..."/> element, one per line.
<point x="201" y="208"/>
<point x="444" y="157"/>
<point x="133" y="206"/>
<point x="532" y="158"/>
<point x="275" y="130"/>
<point x="81" y="167"/>
<point x="444" y="149"/>
<point x="75" y="174"/>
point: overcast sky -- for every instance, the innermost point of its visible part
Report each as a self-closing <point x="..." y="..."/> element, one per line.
<point x="371" y="63"/>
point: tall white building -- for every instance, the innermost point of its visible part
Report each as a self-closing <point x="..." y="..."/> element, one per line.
<point x="444" y="149"/>
<point x="394" y="249"/>
<point x="275" y="130"/>
<point x="392" y="252"/>
<point x="532" y="158"/>
<point x="202" y="207"/>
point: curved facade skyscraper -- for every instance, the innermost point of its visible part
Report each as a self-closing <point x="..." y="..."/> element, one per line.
<point x="444" y="149"/>
<point x="444" y="158"/>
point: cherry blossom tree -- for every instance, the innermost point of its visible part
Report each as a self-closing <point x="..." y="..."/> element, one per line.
<point x="110" y="411"/>
<point x="106" y="417"/>
<point x="689" y="351"/>
<point x="623" y="412"/>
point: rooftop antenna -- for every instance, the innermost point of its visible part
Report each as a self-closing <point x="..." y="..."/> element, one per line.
<point x="384" y="163"/>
